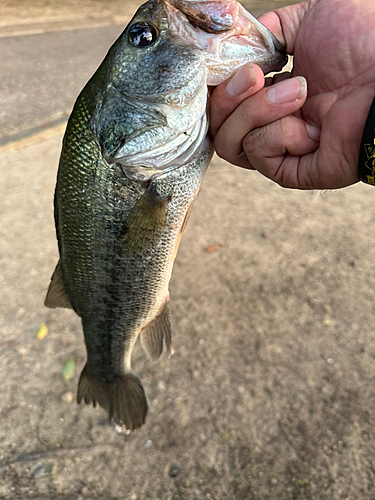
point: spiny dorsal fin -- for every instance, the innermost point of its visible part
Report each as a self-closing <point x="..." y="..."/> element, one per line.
<point x="157" y="333"/>
<point x="56" y="295"/>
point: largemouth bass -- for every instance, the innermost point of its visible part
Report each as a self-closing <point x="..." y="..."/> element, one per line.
<point x="133" y="159"/>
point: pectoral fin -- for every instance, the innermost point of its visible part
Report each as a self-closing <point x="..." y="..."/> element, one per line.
<point x="56" y="295"/>
<point x="158" y="333"/>
<point x="182" y="230"/>
<point x="145" y="223"/>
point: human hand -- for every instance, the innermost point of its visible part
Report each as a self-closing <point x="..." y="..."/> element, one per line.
<point x="298" y="138"/>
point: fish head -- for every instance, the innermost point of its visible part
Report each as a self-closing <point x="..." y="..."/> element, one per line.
<point x="150" y="60"/>
<point x="151" y="107"/>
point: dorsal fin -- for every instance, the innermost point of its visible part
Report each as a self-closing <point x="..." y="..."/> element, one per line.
<point x="157" y="333"/>
<point x="56" y="295"/>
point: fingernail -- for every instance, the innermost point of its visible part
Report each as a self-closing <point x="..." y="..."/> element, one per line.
<point x="314" y="132"/>
<point x="241" y="81"/>
<point x="287" y="90"/>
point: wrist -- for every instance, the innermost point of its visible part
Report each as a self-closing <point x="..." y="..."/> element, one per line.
<point x="366" y="161"/>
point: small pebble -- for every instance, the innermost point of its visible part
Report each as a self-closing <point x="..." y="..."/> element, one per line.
<point x="68" y="397"/>
<point x="174" y="470"/>
<point x="161" y="386"/>
<point x="42" y="470"/>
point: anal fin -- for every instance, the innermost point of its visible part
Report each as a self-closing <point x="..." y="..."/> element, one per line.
<point x="56" y="295"/>
<point x="157" y="334"/>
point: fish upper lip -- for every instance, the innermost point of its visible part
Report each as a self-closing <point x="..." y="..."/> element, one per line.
<point x="211" y="40"/>
<point x="211" y="16"/>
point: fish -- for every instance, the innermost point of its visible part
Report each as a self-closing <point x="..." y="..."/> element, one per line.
<point x="133" y="158"/>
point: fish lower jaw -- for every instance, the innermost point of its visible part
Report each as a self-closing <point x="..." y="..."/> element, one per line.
<point x="191" y="146"/>
<point x="173" y="154"/>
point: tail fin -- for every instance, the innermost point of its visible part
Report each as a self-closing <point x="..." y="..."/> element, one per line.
<point x="124" y="399"/>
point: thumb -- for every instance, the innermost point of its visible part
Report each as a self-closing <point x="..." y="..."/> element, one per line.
<point x="226" y="97"/>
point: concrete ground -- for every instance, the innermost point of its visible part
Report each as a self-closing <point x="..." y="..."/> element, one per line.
<point x="270" y="394"/>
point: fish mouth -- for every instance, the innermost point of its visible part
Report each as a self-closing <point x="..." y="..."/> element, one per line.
<point x="180" y="138"/>
<point x="228" y="35"/>
<point x="173" y="153"/>
<point x="141" y="167"/>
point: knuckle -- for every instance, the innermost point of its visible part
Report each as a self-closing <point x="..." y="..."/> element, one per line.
<point x="219" y="149"/>
<point x="285" y="129"/>
<point x="253" y="141"/>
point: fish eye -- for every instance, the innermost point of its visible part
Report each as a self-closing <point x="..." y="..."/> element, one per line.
<point x="142" y="34"/>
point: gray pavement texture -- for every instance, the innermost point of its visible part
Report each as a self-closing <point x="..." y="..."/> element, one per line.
<point x="43" y="74"/>
<point x="270" y="394"/>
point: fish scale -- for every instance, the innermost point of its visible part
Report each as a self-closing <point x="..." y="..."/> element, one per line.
<point x="132" y="163"/>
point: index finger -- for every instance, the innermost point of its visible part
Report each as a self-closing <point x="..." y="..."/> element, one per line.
<point x="247" y="81"/>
